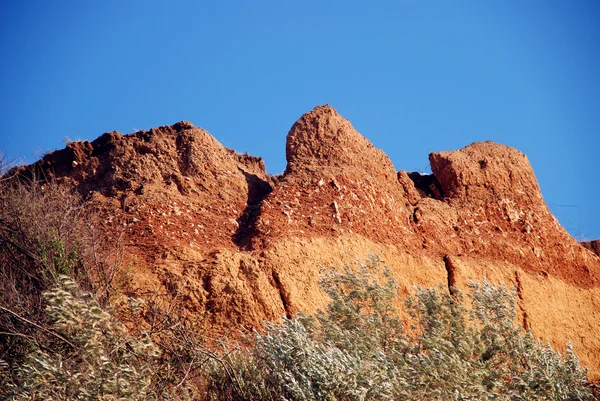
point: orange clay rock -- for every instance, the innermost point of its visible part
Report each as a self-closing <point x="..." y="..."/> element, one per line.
<point x="336" y="182"/>
<point x="501" y="214"/>
<point x="208" y="225"/>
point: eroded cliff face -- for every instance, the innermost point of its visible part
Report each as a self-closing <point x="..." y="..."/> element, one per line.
<point x="210" y="225"/>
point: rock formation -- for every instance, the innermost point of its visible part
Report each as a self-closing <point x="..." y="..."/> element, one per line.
<point x="211" y="225"/>
<point x="593" y="246"/>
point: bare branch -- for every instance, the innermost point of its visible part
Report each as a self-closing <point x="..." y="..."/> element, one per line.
<point x="45" y="330"/>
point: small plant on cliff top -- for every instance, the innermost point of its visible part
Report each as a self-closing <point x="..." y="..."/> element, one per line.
<point x="357" y="350"/>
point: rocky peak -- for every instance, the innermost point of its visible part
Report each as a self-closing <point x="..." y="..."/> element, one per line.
<point x="483" y="170"/>
<point x="323" y="140"/>
<point x="334" y="181"/>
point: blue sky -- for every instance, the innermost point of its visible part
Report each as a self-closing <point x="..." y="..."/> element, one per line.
<point x="412" y="76"/>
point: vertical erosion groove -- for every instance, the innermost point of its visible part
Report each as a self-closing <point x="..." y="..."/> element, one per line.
<point x="258" y="189"/>
<point x="450" y="270"/>
<point x="520" y="303"/>
<point x="284" y="297"/>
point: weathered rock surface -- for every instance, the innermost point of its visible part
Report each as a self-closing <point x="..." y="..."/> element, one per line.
<point x="206" y="223"/>
<point x="501" y="213"/>
<point x="336" y="183"/>
<point x="593" y="246"/>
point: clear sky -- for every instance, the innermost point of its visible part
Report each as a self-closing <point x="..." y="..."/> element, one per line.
<point x="412" y="76"/>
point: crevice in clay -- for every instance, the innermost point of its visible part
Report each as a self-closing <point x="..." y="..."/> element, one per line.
<point x="207" y="286"/>
<point x="258" y="190"/>
<point x="526" y="324"/>
<point x="415" y="215"/>
<point x="284" y="298"/>
<point x="450" y="270"/>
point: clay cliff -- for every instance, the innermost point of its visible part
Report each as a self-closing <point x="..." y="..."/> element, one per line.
<point x="210" y="225"/>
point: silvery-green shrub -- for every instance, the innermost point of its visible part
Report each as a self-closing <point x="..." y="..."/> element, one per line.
<point x="357" y="349"/>
<point x="89" y="355"/>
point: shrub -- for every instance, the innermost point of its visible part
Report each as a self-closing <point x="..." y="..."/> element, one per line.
<point x="357" y="350"/>
<point x="43" y="234"/>
<point x="90" y="355"/>
<point x="39" y="230"/>
<point x="40" y="224"/>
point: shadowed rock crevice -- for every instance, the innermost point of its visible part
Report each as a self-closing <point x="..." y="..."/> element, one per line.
<point x="283" y="294"/>
<point x="427" y="185"/>
<point x="593" y="246"/>
<point x="258" y="190"/>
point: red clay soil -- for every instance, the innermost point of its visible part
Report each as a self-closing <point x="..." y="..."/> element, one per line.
<point x="170" y="186"/>
<point x="205" y="220"/>
<point x="335" y="182"/>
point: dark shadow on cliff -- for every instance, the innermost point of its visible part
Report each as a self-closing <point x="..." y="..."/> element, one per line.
<point x="258" y="190"/>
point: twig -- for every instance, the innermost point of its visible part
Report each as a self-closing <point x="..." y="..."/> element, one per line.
<point x="186" y="374"/>
<point x="45" y="330"/>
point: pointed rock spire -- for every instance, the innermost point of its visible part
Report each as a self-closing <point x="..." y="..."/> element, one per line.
<point x="324" y="139"/>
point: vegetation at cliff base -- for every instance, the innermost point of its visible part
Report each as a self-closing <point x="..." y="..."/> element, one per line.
<point x="357" y="349"/>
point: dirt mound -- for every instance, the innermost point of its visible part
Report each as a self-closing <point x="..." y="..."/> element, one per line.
<point x="483" y="170"/>
<point x="207" y="224"/>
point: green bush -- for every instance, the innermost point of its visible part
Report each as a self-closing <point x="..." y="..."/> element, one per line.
<point x="357" y="350"/>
